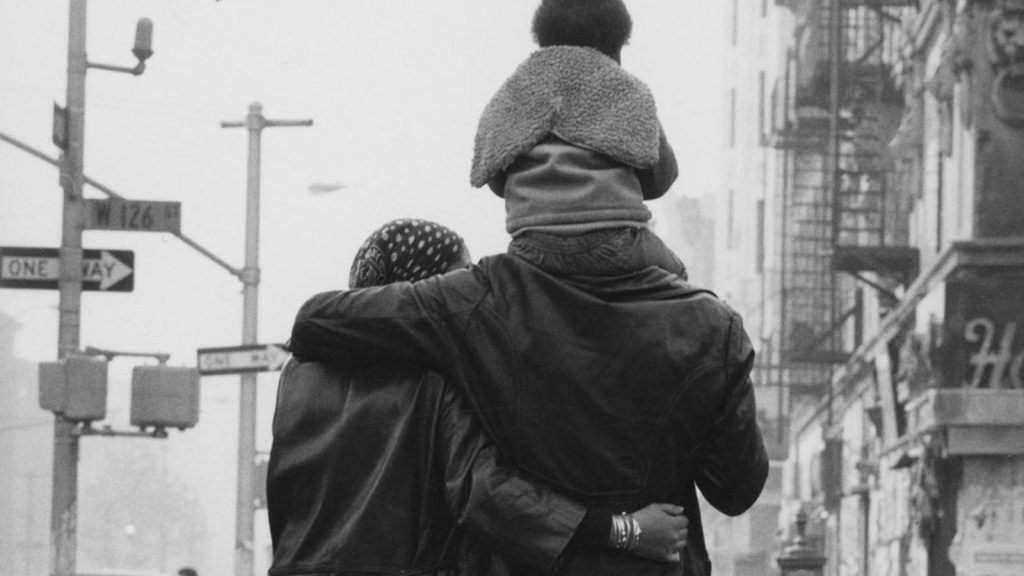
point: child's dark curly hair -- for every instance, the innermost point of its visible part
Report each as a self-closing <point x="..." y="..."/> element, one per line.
<point x="601" y="24"/>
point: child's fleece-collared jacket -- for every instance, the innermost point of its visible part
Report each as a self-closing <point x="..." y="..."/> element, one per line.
<point x="572" y="142"/>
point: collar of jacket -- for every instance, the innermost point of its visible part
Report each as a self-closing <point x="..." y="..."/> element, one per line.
<point x="578" y="94"/>
<point x="651" y="283"/>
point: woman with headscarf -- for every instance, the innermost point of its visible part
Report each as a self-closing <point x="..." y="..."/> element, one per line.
<point x="375" y="469"/>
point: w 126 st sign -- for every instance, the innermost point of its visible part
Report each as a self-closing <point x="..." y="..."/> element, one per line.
<point x="133" y="215"/>
<point x="39" y="268"/>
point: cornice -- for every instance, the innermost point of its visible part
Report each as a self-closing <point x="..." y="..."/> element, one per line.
<point x="850" y="378"/>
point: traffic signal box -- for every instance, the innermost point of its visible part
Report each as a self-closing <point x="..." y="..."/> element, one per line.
<point x="162" y="396"/>
<point x="165" y="397"/>
<point x="75" y="387"/>
<point x="259" y="475"/>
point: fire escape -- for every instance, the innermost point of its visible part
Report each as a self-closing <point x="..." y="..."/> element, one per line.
<point x="842" y="229"/>
<point x="868" y="229"/>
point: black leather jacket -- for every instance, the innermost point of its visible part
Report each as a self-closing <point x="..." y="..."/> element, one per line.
<point x="620" y="391"/>
<point x="373" y="470"/>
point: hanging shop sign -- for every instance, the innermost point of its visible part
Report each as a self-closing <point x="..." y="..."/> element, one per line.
<point x="983" y="348"/>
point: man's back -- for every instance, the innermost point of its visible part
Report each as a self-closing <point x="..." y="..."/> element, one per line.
<point x="621" y="390"/>
<point x="624" y="365"/>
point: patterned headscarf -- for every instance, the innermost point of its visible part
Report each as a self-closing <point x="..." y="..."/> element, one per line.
<point x="405" y="250"/>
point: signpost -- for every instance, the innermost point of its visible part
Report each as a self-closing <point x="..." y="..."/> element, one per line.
<point x="241" y="359"/>
<point x="133" y="215"/>
<point x="60" y="127"/>
<point x="39" y="268"/>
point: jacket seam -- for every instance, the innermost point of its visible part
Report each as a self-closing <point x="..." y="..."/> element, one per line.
<point x="700" y="445"/>
<point x="480" y="309"/>
<point x="698" y="372"/>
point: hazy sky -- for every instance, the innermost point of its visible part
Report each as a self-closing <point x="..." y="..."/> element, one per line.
<point x="394" y="89"/>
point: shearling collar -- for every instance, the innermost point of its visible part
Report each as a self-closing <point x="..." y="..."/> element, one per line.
<point x="578" y="94"/>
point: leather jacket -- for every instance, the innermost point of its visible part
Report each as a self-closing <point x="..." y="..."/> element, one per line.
<point x="376" y="469"/>
<point x="619" y="391"/>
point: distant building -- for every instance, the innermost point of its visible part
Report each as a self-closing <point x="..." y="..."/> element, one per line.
<point x="687" y="226"/>
<point x="26" y="447"/>
<point x="752" y="58"/>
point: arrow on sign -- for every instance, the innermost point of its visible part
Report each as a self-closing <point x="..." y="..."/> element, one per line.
<point x="240" y="359"/>
<point x="103" y="270"/>
<point x="108" y="270"/>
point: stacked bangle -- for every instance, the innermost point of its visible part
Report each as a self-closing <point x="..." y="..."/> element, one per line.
<point x="625" y="534"/>
<point x="634" y="538"/>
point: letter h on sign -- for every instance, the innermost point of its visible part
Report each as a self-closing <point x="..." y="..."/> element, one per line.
<point x="1003" y="369"/>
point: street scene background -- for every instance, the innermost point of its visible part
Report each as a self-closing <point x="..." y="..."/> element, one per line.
<point x="850" y="182"/>
<point x="394" y="89"/>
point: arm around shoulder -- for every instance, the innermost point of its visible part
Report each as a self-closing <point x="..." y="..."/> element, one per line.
<point x="523" y="518"/>
<point x="402" y="321"/>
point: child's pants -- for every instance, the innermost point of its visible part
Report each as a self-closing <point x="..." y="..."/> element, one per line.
<point x="609" y="252"/>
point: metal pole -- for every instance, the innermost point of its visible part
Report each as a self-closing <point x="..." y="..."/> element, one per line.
<point x="836" y="55"/>
<point x="247" y="400"/>
<point x="245" y="502"/>
<point x="64" y="499"/>
<point x="835" y="32"/>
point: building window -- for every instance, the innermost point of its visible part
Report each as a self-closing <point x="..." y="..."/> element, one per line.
<point x="759" y="263"/>
<point x="731" y="240"/>
<point x="764" y="8"/>
<point x="939" y="200"/>
<point x="735" y="22"/>
<point x="762" y="106"/>
<point x="773" y="109"/>
<point x="732" y="118"/>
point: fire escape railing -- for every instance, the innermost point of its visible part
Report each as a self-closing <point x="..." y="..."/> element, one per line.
<point x="834" y="112"/>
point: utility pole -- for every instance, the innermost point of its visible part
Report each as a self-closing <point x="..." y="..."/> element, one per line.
<point x="64" y="512"/>
<point x="64" y="498"/>
<point x="254" y="123"/>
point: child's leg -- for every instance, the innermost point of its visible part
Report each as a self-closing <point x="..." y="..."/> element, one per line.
<point x="589" y="253"/>
<point x="599" y="253"/>
<point x="651" y="251"/>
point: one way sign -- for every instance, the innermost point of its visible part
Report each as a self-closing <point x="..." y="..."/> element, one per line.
<point x="239" y="359"/>
<point x="39" y="268"/>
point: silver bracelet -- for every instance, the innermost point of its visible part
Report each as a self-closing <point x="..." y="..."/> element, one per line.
<point x="613" y="537"/>
<point x="620" y="534"/>
<point x="635" y="531"/>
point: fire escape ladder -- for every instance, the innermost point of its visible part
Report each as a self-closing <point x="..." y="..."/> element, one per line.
<point x="808" y="343"/>
<point x="809" y="312"/>
<point x="834" y="207"/>
<point x="837" y="211"/>
<point x="866" y="110"/>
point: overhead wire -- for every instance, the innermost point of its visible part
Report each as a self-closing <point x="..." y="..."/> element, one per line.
<point x="148" y="107"/>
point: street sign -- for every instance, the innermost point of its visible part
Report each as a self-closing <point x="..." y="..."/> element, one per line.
<point x="39" y="268"/>
<point x="60" y="127"/>
<point x="240" y="359"/>
<point x="133" y="215"/>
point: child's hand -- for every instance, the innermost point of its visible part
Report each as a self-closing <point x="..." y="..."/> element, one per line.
<point x="663" y="531"/>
